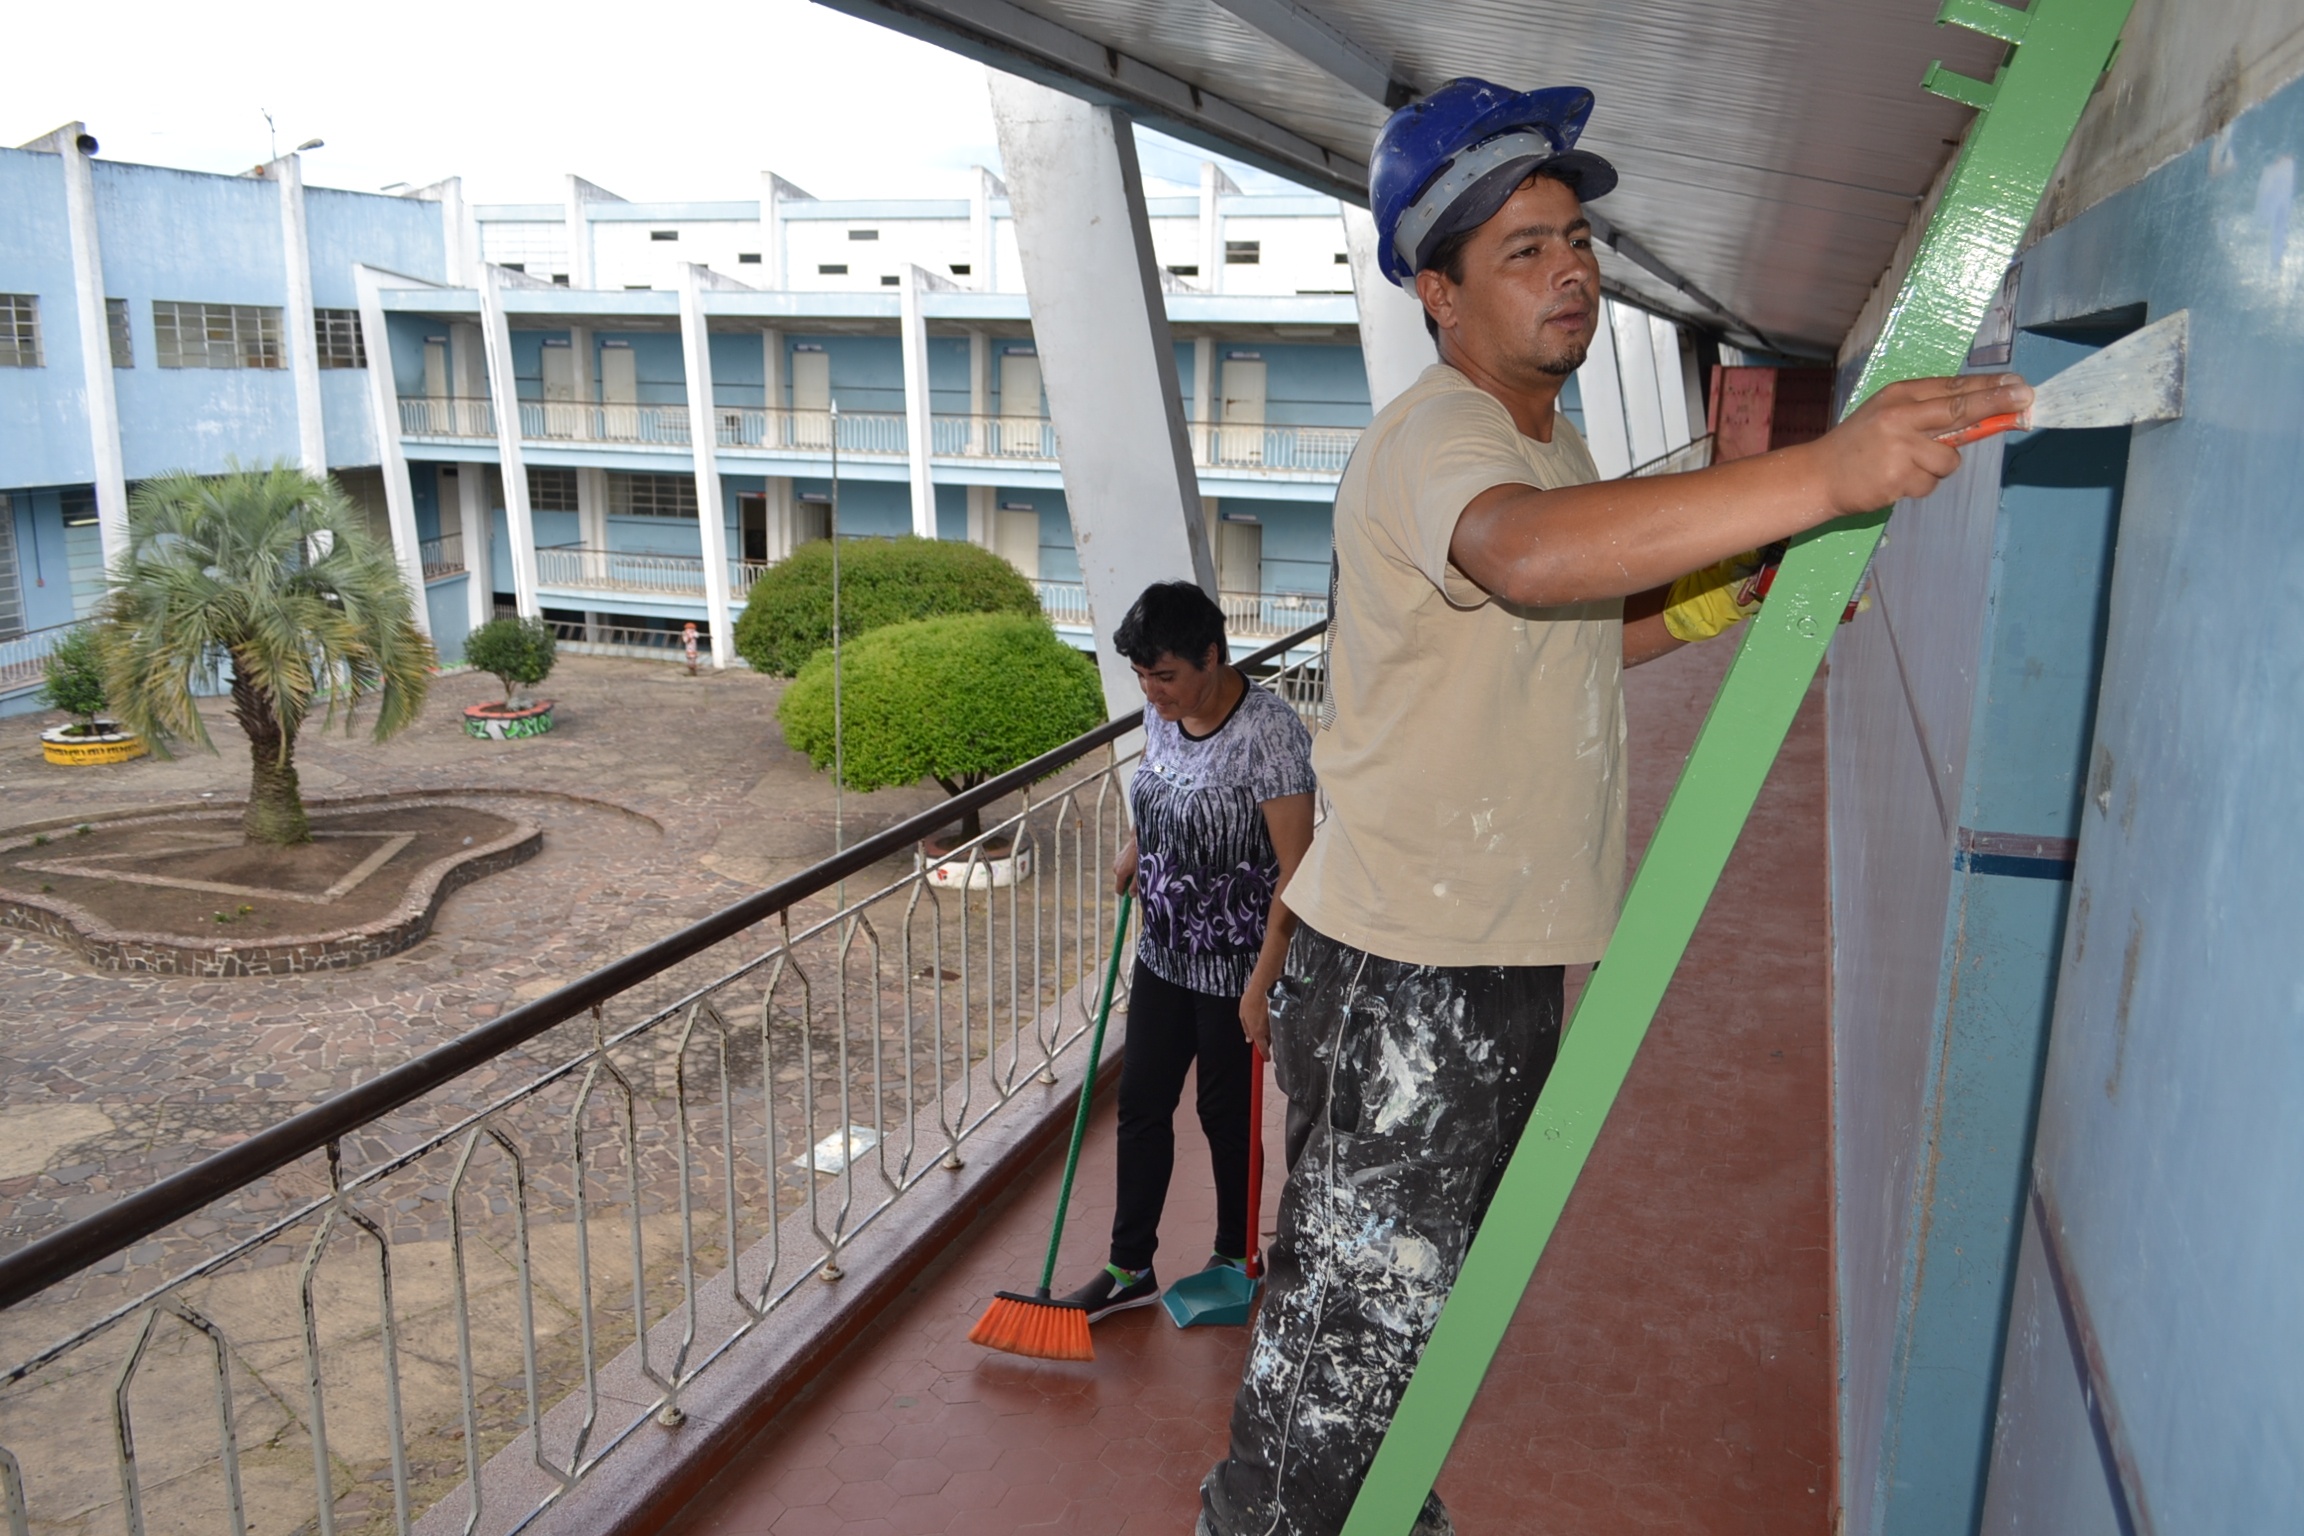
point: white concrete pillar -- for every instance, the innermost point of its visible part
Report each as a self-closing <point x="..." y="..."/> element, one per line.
<point x="780" y="539"/>
<point x="773" y="433"/>
<point x="504" y="398"/>
<point x="579" y="235"/>
<point x="1213" y="185"/>
<point x="1603" y="396"/>
<point x="983" y="514"/>
<point x="1202" y="433"/>
<point x="1106" y="356"/>
<point x="983" y="238"/>
<point x="919" y="423"/>
<point x="73" y="144"/>
<point x="1394" y="346"/>
<point x="703" y="443"/>
<point x="478" y="529"/>
<point x="979" y="392"/>
<point x="1671" y="388"/>
<point x="459" y="234"/>
<point x="384" y="420"/>
<point x="775" y="252"/>
<point x="303" y="341"/>
<point x="1636" y="373"/>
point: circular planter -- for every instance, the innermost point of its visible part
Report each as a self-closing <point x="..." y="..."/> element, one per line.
<point x="107" y="744"/>
<point x="496" y="722"/>
<point x="992" y="865"/>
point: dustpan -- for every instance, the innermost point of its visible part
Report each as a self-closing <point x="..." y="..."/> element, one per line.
<point x="1222" y="1297"/>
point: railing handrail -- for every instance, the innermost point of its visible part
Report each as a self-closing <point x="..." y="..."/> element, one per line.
<point x="64" y="1252"/>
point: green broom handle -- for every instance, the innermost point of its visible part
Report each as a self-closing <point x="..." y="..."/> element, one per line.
<point x="1087" y="1092"/>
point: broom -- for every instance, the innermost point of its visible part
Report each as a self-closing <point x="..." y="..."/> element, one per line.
<point x="1036" y="1325"/>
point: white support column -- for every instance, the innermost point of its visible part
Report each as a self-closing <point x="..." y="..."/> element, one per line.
<point x="919" y="423"/>
<point x="479" y="542"/>
<point x="303" y="341"/>
<point x="1201" y="433"/>
<point x="504" y="397"/>
<point x="579" y="236"/>
<point x="780" y="541"/>
<point x="1636" y="373"/>
<point x="775" y="252"/>
<point x="1105" y="354"/>
<point x="384" y="418"/>
<point x="703" y="442"/>
<point x="459" y="236"/>
<point x="1394" y="346"/>
<point x="983" y="508"/>
<point x="983" y="238"/>
<point x="1603" y="396"/>
<point x="1671" y="387"/>
<point x="73" y="145"/>
<point x="1213" y="185"/>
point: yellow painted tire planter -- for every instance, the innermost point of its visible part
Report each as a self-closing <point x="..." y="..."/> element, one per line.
<point x="109" y="744"/>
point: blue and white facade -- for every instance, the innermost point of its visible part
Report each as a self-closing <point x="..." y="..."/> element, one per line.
<point x="509" y="389"/>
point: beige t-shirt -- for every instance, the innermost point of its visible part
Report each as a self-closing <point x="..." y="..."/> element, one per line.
<point x="1474" y="766"/>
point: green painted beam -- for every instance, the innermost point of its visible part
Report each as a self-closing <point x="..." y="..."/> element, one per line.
<point x="2002" y="171"/>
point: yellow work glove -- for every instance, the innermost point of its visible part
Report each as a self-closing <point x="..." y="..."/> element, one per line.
<point x="1717" y="598"/>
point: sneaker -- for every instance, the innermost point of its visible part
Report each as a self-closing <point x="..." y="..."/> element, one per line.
<point x="1105" y="1295"/>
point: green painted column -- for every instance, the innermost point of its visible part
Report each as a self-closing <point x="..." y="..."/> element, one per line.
<point x="2029" y="111"/>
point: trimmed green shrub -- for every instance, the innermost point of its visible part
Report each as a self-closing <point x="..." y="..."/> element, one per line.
<point x="75" y="677"/>
<point x="788" y="617"/>
<point x="956" y="699"/>
<point x="519" y="651"/>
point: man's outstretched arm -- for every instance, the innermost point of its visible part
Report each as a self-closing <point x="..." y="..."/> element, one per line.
<point x="1588" y="543"/>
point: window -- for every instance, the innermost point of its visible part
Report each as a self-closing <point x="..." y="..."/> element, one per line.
<point x="1243" y="253"/>
<point x="1343" y="258"/>
<point x="652" y="495"/>
<point x="78" y="504"/>
<point x="889" y="280"/>
<point x="217" y="335"/>
<point x="748" y="258"/>
<point x="116" y="321"/>
<point x="961" y="269"/>
<point x="19" y="331"/>
<point x="663" y="234"/>
<point x="863" y="234"/>
<point x="513" y="266"/>
<point x="636" y="288"/>
<point x="338" y="332"/>
<point x="1188" y="269"/>
<point x="559" y="279"/>
<point x="551" y="490"/>
<point x="832" y="269"/>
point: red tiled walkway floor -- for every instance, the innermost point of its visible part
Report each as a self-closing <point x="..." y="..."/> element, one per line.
<point x="1669" y="1370"/>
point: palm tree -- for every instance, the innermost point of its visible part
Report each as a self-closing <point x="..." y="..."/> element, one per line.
<point x="275" y="573"/>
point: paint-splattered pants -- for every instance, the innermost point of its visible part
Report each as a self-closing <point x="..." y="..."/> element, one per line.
<point x="1408" y="1087"/>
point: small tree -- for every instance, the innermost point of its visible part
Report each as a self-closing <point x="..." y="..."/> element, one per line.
<point x="75" y="678"/>
<point x="957" y="700"/>
<point x="788" y="617"/>
<point x="519" y="651"/>
<point x="274" y="572"/>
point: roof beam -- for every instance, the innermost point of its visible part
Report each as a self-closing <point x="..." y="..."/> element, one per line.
<point x="1319" y="42"/>
<point x="1010" y="38"/>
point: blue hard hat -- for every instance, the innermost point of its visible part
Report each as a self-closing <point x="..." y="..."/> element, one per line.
<point x="1446" y="163"/>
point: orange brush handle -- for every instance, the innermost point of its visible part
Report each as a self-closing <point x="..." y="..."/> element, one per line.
<point x="1990" y="426"/>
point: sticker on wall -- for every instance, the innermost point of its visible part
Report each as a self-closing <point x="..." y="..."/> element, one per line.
<point x="1997" y="335"/>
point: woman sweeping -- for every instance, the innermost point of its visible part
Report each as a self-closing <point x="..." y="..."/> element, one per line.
<point x="1223" y="811"/>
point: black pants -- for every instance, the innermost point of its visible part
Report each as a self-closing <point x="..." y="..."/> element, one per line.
<point x="1408" y="1087"/>
<point x="1169" y="1028"/>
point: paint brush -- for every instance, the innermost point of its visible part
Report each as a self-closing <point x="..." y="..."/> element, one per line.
<point x="2140" y="377"/>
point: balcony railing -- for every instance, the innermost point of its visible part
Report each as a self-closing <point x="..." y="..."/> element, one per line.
<point x="866" y="434"/>
<point x="24" y="657"/>
<point x="1247" y="615"/>
<point x="541" y="1234"/>
<point x="637" y="572"/>
<point x="443" y="556"/>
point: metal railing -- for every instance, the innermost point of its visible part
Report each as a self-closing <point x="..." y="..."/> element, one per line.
<point x="636" y="571"/>
<point x="443" y="556"/>
<point x="638" y="642"/>
<point x="1688" y="456"/>
<point x="1247" y="615"/>
<point x="779" y="429"/>
<point x="24" y="657"/>
<point x="541" y="1233"/>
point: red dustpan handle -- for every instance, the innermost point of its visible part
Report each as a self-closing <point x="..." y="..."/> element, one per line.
<point x="1255" y="1163"/>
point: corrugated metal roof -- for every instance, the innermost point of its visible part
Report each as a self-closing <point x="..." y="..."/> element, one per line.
<point x="1772" y="151"/>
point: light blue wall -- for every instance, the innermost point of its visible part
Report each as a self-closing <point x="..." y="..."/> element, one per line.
<point x="43" y="424"/>
<point x="1298" y="537"/>
<point x="45" y="556"/>
<point x="450" y="611"/>
<point x="2170" y="1150"/>
<point x="342" y="229"/>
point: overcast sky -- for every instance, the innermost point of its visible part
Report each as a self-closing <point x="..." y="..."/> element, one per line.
<point x="654" y="103"/>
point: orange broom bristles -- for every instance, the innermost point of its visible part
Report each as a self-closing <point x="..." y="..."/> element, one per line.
<point x="1034" y="1326"/>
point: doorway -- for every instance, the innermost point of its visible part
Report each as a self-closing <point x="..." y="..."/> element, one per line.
<point x="752" y="525"/>
<point x="1242" y="435"/>
<point x="811" y="398"/>
<point x="1016" y="539"/>
<point x="619" y="393"/>
<point x="1022" y="409"/>
<point x="1239" y="557"/>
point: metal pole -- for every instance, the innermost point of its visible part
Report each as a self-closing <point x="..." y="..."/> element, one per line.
<point x="839" y="759"/>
